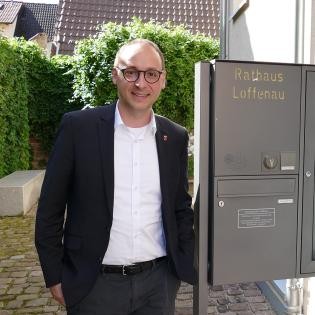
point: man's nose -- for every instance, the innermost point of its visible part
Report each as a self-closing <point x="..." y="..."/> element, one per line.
<point x="141" y="80"/>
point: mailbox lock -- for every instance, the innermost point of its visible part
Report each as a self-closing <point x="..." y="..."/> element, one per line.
<point x="221" y="203"/>
<point x="270" y="162"/>
<point x="308" y="174"/>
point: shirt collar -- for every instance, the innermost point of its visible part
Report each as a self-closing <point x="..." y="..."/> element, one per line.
<point x="119" y="121"/>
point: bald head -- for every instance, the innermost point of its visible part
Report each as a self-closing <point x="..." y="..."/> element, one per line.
<point x="139" y="42"/>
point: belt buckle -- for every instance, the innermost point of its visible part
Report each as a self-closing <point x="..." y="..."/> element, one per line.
<point x="124" y="270"/>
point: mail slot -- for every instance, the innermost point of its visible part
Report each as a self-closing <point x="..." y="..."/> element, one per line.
<point x="259" y="156"/>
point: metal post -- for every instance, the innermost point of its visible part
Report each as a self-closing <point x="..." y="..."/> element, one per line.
<point x="295" y="296"/>
<point x="202" y="104"/>
<point x="224" y="29"/>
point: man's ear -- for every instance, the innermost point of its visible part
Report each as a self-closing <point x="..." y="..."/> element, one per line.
<point x="114" y="75"/>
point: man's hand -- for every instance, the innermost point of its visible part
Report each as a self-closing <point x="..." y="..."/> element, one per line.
<point x="57" y="294"/>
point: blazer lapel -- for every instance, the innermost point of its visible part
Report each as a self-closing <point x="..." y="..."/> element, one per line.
<point x="106" y="143"/>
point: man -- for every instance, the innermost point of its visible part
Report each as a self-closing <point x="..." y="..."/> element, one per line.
<point x="128" y="236"/>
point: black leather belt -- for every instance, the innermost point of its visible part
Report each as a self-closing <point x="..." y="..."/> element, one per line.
<point x="129" y="270"/>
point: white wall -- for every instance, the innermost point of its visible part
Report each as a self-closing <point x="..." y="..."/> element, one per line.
<point x="7" y="30"/>
<point x="265" y="31"/>
<point x="312" y="26"/>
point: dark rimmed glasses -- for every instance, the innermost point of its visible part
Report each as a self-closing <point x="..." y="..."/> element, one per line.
<point x="132" y="75"/>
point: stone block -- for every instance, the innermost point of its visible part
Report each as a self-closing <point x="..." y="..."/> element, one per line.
<point x="20" y="191"/>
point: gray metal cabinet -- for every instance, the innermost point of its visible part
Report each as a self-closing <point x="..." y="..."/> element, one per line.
<point x="260" y="156"/>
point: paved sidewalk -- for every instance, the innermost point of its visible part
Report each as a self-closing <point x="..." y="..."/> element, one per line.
<point x="22" y="288"/>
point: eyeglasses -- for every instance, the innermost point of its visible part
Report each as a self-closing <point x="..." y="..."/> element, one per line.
<point x="132" y="75"/>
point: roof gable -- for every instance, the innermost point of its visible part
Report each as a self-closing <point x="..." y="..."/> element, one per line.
<point x="78" y="19"/>
<point x="36" y="18"/>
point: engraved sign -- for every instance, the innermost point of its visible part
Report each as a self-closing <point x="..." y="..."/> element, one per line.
<point x="253" y="218"/>
<point x="254" y="78"/>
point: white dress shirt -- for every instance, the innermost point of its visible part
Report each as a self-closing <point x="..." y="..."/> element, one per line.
<point x="137" y="231"/>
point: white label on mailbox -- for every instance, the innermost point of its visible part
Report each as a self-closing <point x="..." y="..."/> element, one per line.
<point x="285" y="201"/>
<point x="288" y="168"/>
<point x="253" y="218"/>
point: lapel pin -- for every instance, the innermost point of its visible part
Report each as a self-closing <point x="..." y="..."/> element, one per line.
<point x="165" y="137"/>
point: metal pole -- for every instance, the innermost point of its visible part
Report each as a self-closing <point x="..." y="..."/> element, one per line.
<point x="295" y="296"/>
<point x="202" y="104"/>
<point x="223" y="29"/>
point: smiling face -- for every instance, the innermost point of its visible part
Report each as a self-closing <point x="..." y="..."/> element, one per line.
<point x="137" y="98"/>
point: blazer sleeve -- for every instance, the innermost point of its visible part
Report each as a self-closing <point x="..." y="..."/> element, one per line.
<point x="184" y="212"/>
<point x="52" y="204"/>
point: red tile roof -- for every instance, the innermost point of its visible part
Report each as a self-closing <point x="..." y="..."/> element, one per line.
<point x="9" y="11"/>
<point x="78" y="19"/>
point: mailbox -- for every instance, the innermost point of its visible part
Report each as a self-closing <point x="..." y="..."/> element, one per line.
<point x="259" y="157"/>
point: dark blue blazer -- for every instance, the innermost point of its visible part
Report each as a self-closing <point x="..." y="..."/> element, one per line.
<point x="75" y="210"/>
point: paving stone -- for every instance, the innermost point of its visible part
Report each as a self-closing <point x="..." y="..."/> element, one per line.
<point x="212" y="302"/>
<point x="183" y="311"/>
<point x="216" y="288"/>
<point x="7" y="297"/>
<point x="212" y="310"/>
<point x="18" y="274"/>
<point x="36" y="273"/>
<point x="4" y="286"/>
<point x="15" y="290"/>
<point x="239" y="307"/>
<point x="234" y="291"/>
<point x="222" y="308"/>
<point x="32" y="289"/>
<point x="266" y="313"/>
<point x="19" y="280"/>
<point x="26" y="297"/>
<point x="6" y="263"/>
<point x="37" y="302"/>
<point x="185" y="303"/>
<point x="5" y="280"/>
<point x="216" y="294"/>
<point x="237" y="299"/>
<point x="253" y="292"/>
<point x="17" y="257"/>
<point x="49" y="308"/>
<point x="14" y="304"/>
<point x="223" y="301"/>
<point x="185" y="296"/>
<point x="35" y="279"/>
<point x="260" y="307"/>
<point x="3" y="291"/>
<point x="256" y="299"/>
<point x="31" y="310"/>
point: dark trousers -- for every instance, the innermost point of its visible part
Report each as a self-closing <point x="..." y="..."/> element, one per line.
<point x="151" y="292"/>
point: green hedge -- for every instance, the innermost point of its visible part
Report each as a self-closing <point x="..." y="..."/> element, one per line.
<point x="93" y="61"/>
<point x="35" y="91"/>
<point x="14" y="129"/>
<point x="49" y="83"/>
